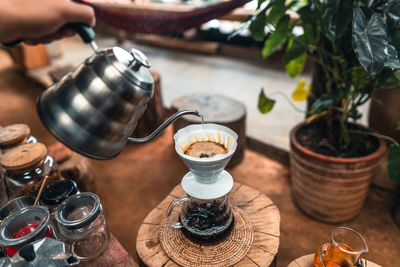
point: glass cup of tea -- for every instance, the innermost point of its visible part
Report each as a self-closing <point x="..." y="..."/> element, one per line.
<point x="345" y="249"/>
<point x="202" y="220"/>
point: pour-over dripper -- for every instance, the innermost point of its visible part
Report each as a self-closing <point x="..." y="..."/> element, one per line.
<point x="207" y="178"/>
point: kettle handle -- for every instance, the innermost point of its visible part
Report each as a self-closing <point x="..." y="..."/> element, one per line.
<point x="162" y="127"/>
<point x="86" y="33"/>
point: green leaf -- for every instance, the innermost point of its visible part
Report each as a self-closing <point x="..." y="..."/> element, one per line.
<point x="393" y="59"/>
<point x="277" y="11"/>
<point x="370" y="41"/>
<point x="296" y="47"/>
<point x="394" y="162"/>
<point x="326" y="101"/>
<point x="308" y="13"/>
<point x="257" y="28"/>
<point x="393" y="23"/>
<point x="397" y="75"/>
<point x="336" y="17"/>
<point x="265" y="104"/>
<point x="359" y="77"/>
<point x="310" y="16"/>
<point x="278" y="37"/>
<point x="382" y="78"/>
<point x="250" y="19"/>
<point x="295" y="66"/>
<point x="260" y="2"/>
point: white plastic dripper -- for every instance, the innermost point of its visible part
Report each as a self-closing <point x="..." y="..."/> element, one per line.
<point x="207" y="178"/>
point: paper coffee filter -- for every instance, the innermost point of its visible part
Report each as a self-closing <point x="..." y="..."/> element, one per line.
<point x="205" y="132"/>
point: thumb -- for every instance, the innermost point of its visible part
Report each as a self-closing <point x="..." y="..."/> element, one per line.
<point x="74" y="13"/>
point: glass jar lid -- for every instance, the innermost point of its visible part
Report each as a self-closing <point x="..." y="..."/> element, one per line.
<point x="132" y="65"/>
<point x="78" y="211"/>
<point x="16" y="221"/>
<point x="24" y="157"/>
<point x="57" y="192"/>
<point x="14" y="133"/>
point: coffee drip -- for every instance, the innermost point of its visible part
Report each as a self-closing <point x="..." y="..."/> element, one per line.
<point x="206" y="214"/>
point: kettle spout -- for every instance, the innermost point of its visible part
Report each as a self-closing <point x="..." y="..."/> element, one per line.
<point x="163" y="126"/>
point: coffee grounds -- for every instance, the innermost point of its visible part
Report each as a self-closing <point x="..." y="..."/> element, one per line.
<point x="205" y="149"/>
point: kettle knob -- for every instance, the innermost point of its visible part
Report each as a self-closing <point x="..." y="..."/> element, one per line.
<point x="139" y="59"/>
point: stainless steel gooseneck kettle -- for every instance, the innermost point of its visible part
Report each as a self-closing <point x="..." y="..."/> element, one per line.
<point x="94" y="109"/>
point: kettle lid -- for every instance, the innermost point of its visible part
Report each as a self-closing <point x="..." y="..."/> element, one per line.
<point x="133" y="65"/>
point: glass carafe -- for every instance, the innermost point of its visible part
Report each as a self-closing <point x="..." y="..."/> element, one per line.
<point x="202" y="219"/>
<point x="345" y="249"/>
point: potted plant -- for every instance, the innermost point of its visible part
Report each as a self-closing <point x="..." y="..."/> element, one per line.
<point x="354" y="46"/>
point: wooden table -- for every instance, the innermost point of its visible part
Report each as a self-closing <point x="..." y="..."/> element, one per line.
<point x="115" y="255"/>
<point x="262" y="212"/>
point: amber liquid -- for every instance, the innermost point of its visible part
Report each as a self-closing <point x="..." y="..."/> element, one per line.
<point x="332" y="256"/>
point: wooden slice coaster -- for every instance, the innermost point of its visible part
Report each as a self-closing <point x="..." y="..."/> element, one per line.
<point x="308" y="261"/>
<point x="227" y="252"/>
<point x="259" y="209"/>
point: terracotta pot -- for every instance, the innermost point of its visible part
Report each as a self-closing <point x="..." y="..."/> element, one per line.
<point x="328" y="188"/>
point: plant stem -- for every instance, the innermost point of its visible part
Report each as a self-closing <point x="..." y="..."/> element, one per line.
<point x="377" y="135"/>
<point x="288" y="100"/>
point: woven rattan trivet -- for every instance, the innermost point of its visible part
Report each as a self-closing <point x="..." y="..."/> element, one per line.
<point x="227" y="252"/>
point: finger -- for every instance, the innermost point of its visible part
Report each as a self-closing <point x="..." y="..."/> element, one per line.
<point x="75" y="12"/>
<point x="67" y="32"/>
<point x="31" y="42"/>
<point x="45" y="39"/>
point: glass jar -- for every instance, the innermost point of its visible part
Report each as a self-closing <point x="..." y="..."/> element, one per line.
<point x="345" y="249"/>
<point x="23" y="227"/>
<point x="82" y="225"/>
<point x="56" y="193"/>
<point x="10" y="137"/>
<point x="15" y="205"/>
<point x="3" y="191"/>
<point x="203" y="220"/>
<point x="26" y="166"/>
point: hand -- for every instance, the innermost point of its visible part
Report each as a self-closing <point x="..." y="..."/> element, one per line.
<point x="41" y="21"/>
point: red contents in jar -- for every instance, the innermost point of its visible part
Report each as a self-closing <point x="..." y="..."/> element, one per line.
<point x="24" y="231"/>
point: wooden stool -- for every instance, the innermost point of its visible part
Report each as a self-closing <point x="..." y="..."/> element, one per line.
<point x="308" y="261"/>
<point x="215" y="109"/>
<point x="261" y="211"/>
<point x="28" y="57"/>
<point x="155" y="112"/>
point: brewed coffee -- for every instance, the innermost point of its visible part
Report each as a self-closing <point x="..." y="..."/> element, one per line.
<point x="205" y="149"/>
<point x="207" y="220"/>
